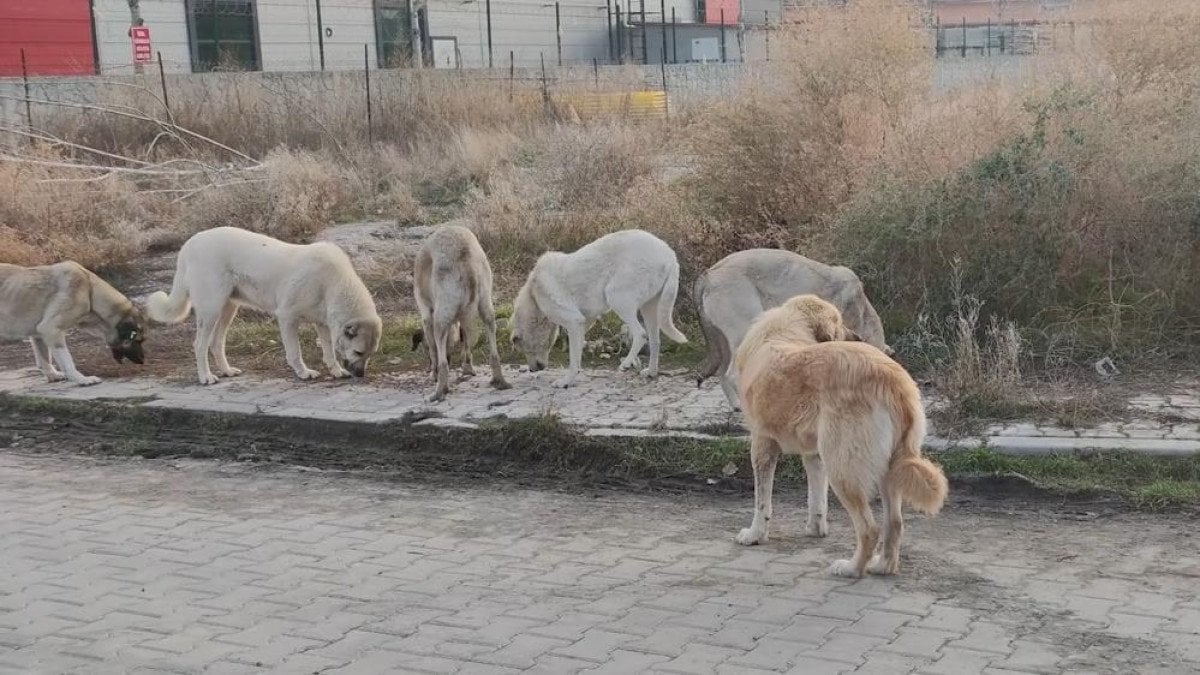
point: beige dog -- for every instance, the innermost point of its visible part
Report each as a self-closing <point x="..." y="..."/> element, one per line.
<point x="851" y="413"/>
<point x="733" y="292"/>
<point x="42" y="304"/>
<point x="452" y="281"/>
<point x="226" y="268"/>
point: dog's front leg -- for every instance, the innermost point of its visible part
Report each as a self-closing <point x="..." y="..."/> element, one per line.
<point x="764" y="455"/>
<point x="575" y="338"/>
<point x="327" y="354"/>
<point x="289" y="333"/>
<point x="58" y="348"/>
<point x="41" y="356"/>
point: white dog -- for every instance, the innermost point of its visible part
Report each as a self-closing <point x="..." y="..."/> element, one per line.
<point x="452" y="281"/>
<point x="44" y="303"/>
<point x="740" y="287"/>
<point x="225" y="268"/>
<point x="626" y="272"/>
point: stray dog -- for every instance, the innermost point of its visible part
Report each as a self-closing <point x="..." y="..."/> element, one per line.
<point x="731" y="293"/>
<point x="851" y="413"/>
<point x="44" y="303"/>
<point x="626" y="272"/>
<point x="452" y="281"/>
<point x="226" y="268"/>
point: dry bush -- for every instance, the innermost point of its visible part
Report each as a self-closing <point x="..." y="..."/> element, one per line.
<point x="595" y="166"/>
<point x="793" y="149"/>
<point x="48" y="214"/>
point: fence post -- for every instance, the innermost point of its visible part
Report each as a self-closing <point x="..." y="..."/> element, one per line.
<point x="162" y="78"/>
<point x="488" y="11"/>
<point x="964" y="37"/>
<point x="512" y="73"/>
<point x="937" y="36"/>
<point x="367" y="79"/>
<point x="558" y="32"/>
<point x="25" y="79"/>
<point x="674" y="39"/>
<point x="662" y="26"/>
<point x="645" y="49"/>
<point x="320" y="34"/>
<point x="608" y="20"/>
<point x="723" y="35"/>
<point x="620" y="32"/>
<point x="767" y="28"/>
<point x="596" y="72"/>
<point x="545" y="86"/>
<point x="663" y="68"/>
<point x="989" y="36"/>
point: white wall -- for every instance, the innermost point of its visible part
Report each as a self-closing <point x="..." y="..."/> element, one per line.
<point x="287" y="34"/>
<point x="168" y="34"/>
<point x="524" y="27"/>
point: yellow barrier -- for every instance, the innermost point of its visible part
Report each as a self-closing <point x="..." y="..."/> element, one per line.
<point x="637" y="104"/>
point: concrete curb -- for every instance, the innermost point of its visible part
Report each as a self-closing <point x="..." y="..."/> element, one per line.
<point x="606" y="405"/>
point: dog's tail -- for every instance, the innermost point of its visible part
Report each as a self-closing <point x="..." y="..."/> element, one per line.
<point x="172" y="308"/>
<point x="717" y="357"/>
<point x="919" y="481"/>
<point x="666" y="306"/>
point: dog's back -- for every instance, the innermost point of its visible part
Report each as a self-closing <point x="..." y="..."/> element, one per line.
<point x="731" y="293"/>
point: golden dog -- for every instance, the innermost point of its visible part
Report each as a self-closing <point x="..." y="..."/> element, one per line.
<point x="809" y="388"/>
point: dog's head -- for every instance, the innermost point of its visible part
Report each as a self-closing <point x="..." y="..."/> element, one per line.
<point x="356" y="342"/>
<point x="533" y="334"/>
<point x="811" y="319"/>
<point x="125" y="339"/>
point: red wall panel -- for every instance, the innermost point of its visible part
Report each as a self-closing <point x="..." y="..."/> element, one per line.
<point x="712" y="11"/>
<point x="55" y="34"/>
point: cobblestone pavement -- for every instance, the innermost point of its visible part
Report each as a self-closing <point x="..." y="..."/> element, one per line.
<point x="169" y="566"/>
<point x="605" y="402"/>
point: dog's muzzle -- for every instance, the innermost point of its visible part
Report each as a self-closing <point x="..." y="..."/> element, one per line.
<point x="132" y="352"/>
<point x="357" y="369"/>
<point x="536" y="366"/>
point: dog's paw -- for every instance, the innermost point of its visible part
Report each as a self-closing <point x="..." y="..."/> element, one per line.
<point x="467" y="371"/>
<point x="308" y="374"/>
<point x="882" y="566"/>
<point x="500" y="384"/>
<point x="54" y="376"/>
<point x="87" y="381"/>
<point x="649" y="374"/>
<point x="749" y="537"/>
<point x="209" y="379"/>
<point x="563" y="382"/>
<point x="339" y="372"/>
<point x="844" y="568"/>
<point x="817" y="527"/>
<point x="436" y="396"/>
<point x="630" y="363"/>
<point x="231" y="372"/>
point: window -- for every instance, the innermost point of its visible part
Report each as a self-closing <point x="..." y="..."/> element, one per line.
<point x="393" y="33"/>
<point x="223" y="35"/>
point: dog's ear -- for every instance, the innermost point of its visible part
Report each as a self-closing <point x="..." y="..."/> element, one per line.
<point x="417" y="338"/>
<point x="851" y="336"/>
<point x="350" y="330"/>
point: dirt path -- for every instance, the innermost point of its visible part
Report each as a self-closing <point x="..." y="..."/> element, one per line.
<point x="186" y="565"/>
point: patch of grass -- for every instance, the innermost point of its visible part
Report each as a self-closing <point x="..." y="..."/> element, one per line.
<point x="1143" y="481"/>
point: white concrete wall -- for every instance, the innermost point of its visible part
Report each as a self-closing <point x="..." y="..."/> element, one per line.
<point x="524" y="27"/>
<point x="168" y="34"/>
<point x="287" y="34"/>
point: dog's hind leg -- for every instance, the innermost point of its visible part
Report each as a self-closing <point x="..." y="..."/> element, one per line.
<point x="441" y="328"/>
<point x="637" y="334"/>
<point x="888" y="559"/>
<point x="764" y="455"/>
<point x="289" y="334"/>
<point x="466" y="335"/>
<point x="487" y="315"/>
<point x="857" y="503"/>
<point x="41" y="356"/>
<point x="427" y="338"/>
<point x="217" y="347"/>
<point x="328" y="357"/>
<point x="650" y="316"/>
<point x="205" y="328"/>
<point x="817" y="524"/>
